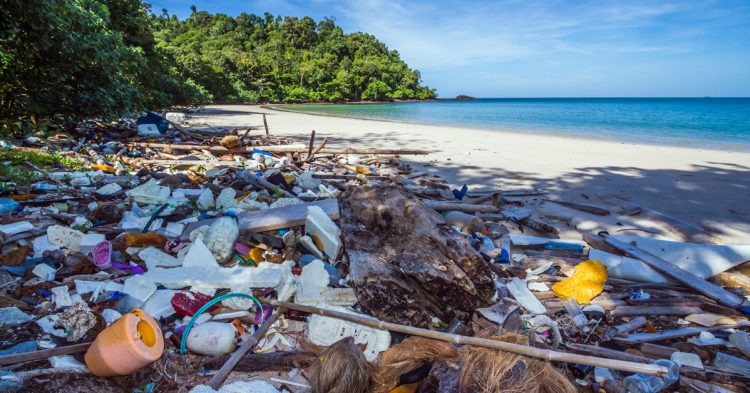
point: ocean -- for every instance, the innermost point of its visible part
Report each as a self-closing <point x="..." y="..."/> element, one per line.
<point x="719" y="123"/>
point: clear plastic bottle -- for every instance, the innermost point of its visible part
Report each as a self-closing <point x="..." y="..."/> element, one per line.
<point x="643" y="383"/>
<point x="576" y="314"/>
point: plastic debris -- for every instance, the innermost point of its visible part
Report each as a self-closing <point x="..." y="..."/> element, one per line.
<point x="586" y="283"/>
<point x="211" y="338"/>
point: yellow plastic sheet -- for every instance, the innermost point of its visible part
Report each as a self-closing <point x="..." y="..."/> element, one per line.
<point x="586" y="283"/>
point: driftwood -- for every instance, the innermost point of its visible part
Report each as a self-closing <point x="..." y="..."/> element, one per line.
<point x="192" y="163"/>
<point x="406" y="263"/>
<point x="549" y="355"/>
<point x="297" y="148"/>
<point x="43" y="354"/>
<point x="461" y="207"/>
<point x="271" y="361"/>
<point x="584" y="208"/>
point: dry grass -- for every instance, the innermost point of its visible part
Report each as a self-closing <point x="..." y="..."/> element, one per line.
<point x="494" y="371"/>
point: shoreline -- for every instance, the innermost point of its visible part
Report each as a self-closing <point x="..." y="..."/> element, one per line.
<point x="707" y="187"/>
<point x="688" y="144"/>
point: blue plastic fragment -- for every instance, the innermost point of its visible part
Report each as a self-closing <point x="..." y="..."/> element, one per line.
<point x="563" y="246"/>
<point x="460" y="194"/>
<point x="265" y="153"/>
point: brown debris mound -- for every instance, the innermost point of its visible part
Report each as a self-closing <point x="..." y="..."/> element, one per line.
<point x="406" y="263"/>
<point x="492" y="371"/>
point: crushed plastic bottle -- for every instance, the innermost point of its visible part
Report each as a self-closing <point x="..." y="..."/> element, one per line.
<point x="642" y="383"/>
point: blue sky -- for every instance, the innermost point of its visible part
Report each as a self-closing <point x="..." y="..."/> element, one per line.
<point x="528" y="48"/>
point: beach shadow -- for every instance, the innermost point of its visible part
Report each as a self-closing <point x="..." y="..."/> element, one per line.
<point x="715" y="196"/>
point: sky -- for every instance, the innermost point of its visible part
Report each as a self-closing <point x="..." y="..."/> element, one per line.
<point x="550" y="48"/>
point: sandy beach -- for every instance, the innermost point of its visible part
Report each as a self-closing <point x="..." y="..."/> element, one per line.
<point x="710" y="188"/>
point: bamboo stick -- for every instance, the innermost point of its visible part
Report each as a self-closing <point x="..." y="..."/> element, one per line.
<point x="221" y="375"/>
<point x="295" y="148"/>
<point x="651" y="369"/>
<point x="265" y="125"/>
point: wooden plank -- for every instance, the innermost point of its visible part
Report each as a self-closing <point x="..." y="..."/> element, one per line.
<point x="584" y="208"/>
<point x="284" y="217"/>
<point x="691" y="280"/>
<point x="43" y="354"/>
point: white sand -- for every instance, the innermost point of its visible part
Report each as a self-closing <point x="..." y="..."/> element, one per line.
<point x="707" y="187"/>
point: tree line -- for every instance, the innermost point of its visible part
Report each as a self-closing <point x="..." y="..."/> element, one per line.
<point x="72" y="59"/>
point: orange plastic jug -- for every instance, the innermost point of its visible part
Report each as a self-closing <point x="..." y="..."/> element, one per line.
<point x="130" y="343"/>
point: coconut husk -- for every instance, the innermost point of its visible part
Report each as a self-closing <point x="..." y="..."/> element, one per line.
<point x="493" y="371"/>
<point x="341" y="368"/>
<point x="407" y="356"/>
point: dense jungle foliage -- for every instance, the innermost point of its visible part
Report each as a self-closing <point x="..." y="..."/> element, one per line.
<point x="72" y="59"/>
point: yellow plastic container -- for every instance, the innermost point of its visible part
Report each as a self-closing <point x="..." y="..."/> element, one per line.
<point x="131" y="342"/>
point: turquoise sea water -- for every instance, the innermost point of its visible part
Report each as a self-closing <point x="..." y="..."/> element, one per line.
<point x="722" y="123"/>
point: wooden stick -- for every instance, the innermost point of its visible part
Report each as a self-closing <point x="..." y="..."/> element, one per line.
<point x="460" y="207"/>
<point x="43" y="354"/>
<point x="651" y="369"/>
<point x="312" y="142"/>
<point x="221" y="375"/>
<point x="328" y="176"/>
<point x="295" y="148"/>
<point x="265" y="125"/>
<point x="713" y="291"/>
<point x="584" y="208"/>
<point x="484" y="198"/>
<point x="319" y="148"/>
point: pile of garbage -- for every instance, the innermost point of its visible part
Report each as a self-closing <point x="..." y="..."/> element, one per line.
<point x="256" y="264"/>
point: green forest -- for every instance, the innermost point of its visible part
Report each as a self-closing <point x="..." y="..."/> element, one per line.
<point x="72" y="59"/>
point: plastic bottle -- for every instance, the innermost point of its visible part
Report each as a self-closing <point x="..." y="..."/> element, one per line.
<point x="8" y="206"/>
<point x="44" y="187"/>
<point x="642" y="383"/>
<point x="572" y="307"/>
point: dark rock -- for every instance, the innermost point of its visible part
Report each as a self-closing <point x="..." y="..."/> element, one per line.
<point x="465" y="98"/>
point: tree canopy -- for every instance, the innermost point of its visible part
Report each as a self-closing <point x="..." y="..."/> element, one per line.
<point x="84" y="58"/>
<point x="285" y="59"/>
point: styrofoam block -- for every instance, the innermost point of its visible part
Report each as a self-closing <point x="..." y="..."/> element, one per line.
<point x="44" y="271"/>
<point x="326" y="331"/>
<point x="153" y="257"/>
<point x="319" y="225"/>
<point x="139" y="287"/>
